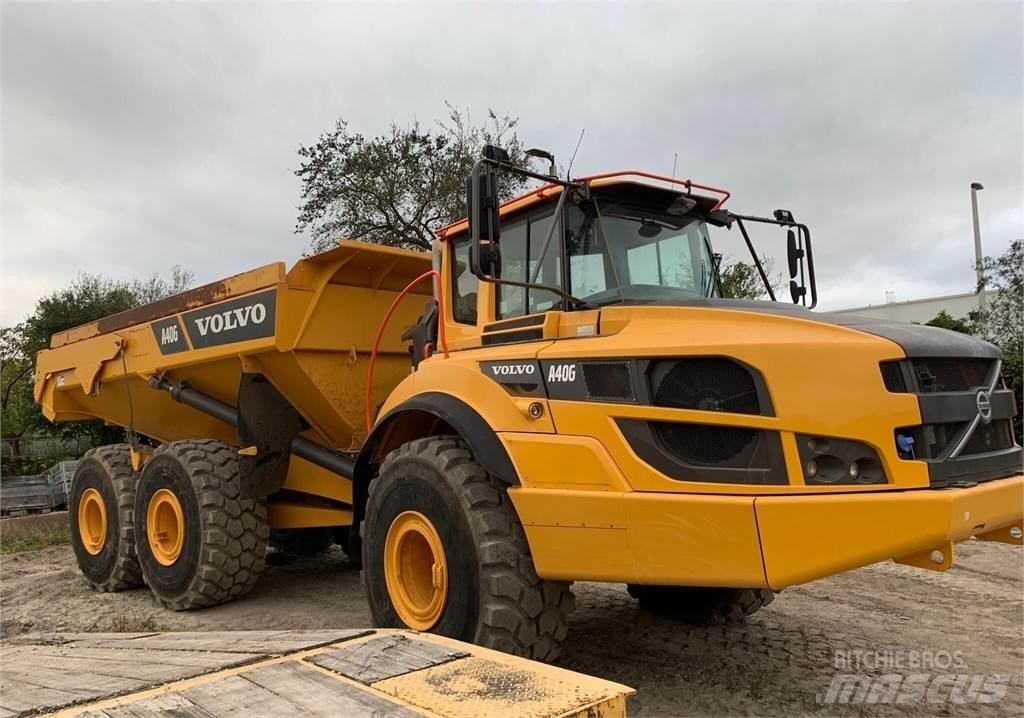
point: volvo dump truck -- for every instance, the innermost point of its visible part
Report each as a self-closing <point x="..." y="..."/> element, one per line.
<point x="558" y="392"/>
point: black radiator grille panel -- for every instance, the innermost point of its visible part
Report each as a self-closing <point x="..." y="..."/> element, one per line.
<point x="892" y="375"/>
<point x="989" y="437"/>
<point x="704" y="445"/>
<point x="711" y="384"/>
<point x="943" y="375"/>
<point x="608" y="380"/>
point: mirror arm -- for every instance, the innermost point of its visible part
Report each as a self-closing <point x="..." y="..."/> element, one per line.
<point x="753" y="254"/>
<point x="556" y="219"/>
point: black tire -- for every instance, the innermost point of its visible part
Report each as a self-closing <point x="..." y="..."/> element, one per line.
<point x="303" y="542"/>
<point x="702" y="606"/>
<point x="495" y="598"/>
<point x="108" y="470"/>
<point x="225" y="534"/>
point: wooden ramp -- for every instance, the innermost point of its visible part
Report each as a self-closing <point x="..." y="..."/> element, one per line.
<point x="251" y="674"/>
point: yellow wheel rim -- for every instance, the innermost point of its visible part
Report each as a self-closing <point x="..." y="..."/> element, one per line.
<point x="415" y="570"/>
<point x="165" y="527"/>
<point x="92" y="521"/>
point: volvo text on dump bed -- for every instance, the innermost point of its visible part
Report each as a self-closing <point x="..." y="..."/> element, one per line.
<point x="576" y="401"/>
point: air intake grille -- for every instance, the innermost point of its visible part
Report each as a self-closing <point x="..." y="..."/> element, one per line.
<point x="711" y="384"/>
<point x="892" y="375"/>
<point x="703" y="445"/>
<point x="608" y="380"/>
<point x="939" y="375"/>
<point x="991" y="437"/>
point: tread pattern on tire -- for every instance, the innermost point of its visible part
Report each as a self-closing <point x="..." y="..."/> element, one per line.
<point x="729" y="606"/>
<point x="233" y="528"/>
<point x="116" y="460"/>
<point x="520" y="613"/>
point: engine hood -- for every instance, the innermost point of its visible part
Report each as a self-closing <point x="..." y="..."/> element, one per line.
<point x="916" y="340"/>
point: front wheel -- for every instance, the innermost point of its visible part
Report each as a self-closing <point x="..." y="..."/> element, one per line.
<point x="443" y="551"/>
<point x="702" y="605"/>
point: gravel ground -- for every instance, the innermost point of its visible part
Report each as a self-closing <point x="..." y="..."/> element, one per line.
<point x="917" y="643"/>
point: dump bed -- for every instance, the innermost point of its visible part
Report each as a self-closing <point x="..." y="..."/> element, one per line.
<point x="308" y="330"/>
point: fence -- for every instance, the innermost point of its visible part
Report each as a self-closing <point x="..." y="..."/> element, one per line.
<point x="40" y="492"/>
<point x="44" y="447"/>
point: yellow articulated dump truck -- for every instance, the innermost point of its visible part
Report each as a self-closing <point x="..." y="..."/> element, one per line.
<point x="558" y="393"/>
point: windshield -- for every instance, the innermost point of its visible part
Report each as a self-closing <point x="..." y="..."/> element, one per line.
<point x="624" y="253"/>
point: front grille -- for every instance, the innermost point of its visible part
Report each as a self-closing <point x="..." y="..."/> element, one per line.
<point x="989" y="437"/>
<point x="703" y="445"/>
<point x="705" y="384"/>
<point x="943" y="375"/>
<point x="932" y="440"/>
<point x="892" y="375"/>
<point x="608" y="380"/>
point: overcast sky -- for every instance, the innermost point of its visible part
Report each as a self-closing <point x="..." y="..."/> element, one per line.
<point x="137" y="136"/>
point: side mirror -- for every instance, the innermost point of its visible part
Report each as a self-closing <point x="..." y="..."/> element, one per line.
<point x="484" y="222"/>
<point x="793" y="253"/>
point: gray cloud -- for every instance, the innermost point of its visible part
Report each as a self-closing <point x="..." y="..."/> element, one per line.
<point x="136" y="136"/>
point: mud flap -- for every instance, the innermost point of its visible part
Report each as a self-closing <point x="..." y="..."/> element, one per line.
<point x="267" y="423"/>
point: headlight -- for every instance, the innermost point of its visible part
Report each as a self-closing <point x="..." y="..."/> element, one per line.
<point x="828" y="460"/>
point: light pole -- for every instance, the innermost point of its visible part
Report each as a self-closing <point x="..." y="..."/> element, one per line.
<point x="975" y="187"/>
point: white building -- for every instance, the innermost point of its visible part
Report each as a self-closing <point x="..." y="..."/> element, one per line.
<point x="922" y="310"/>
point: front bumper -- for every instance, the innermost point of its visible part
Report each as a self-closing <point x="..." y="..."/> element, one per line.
<point x="749" y="541"/>
<point x="807" y="537"/>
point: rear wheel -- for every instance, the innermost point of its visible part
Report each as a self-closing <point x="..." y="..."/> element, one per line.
<point x="700" y="605"/>
<point x="443" y="551"/>
<point x="200" y="541"/>
<point x="101" y="508"/>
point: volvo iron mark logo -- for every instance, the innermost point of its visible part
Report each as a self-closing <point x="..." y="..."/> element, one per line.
<point x="984" y="402"/>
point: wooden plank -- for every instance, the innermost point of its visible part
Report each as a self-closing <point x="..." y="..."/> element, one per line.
<point x="207" y="660"/>
<point x="237" y="696"/>
<point x="385" y="657"/>
<point x="19" y="697"/>
<point x="80" y="684"/>
<point x="249" y="641"/>
<point x="168" y="704"/>
<point x="150" y="673"/>
<point x="315" y="693"/>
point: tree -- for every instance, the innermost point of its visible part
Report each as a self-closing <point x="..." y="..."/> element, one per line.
<point x="397" y="188"/>
<point x="943" y="320"/>
<point x="88" y="298"/>
<point x="1002" y="322"/>
<point x="741" y="280"/>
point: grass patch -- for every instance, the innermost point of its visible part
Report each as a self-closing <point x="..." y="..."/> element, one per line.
<point x="131" y="622"/>
<point x="34" y="540"/>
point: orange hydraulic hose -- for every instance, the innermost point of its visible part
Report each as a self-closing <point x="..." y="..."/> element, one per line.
<point x="384" y="322"/>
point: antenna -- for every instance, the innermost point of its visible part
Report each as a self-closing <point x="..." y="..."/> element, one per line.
<point x="675" y="158"/>
<point x="573" y="158"/>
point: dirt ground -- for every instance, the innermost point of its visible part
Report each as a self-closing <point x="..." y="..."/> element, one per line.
<point x="916" y="642"/>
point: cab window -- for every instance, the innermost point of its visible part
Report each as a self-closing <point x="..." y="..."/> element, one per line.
<point x="521" y="245"/>
<point x="465" y="285"/>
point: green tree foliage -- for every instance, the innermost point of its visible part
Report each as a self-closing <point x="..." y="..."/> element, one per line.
<point x="88" y="298"/>
<point x="1002" y="323"/>
<point x="943" y="320"/>
<point x="397" y="188"/>
<point x="740" y="280"/>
